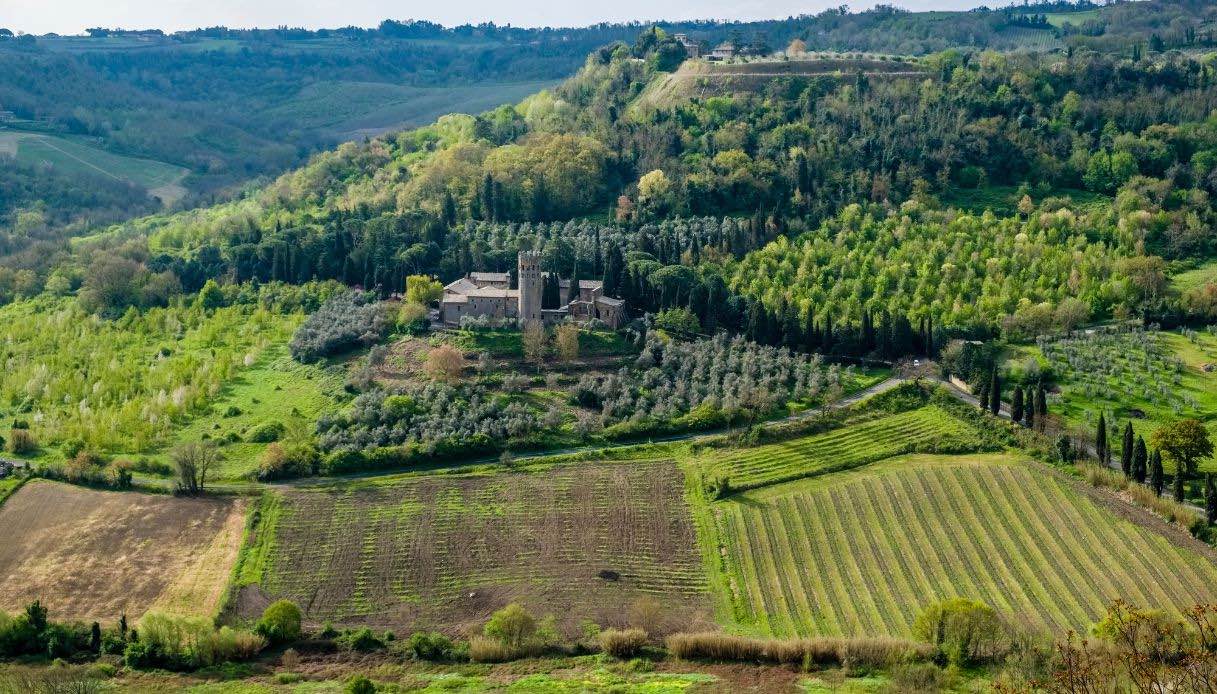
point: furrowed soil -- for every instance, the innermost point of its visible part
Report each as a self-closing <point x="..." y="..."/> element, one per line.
<point x="578" y="542"/>
<point x="93" y="555"/>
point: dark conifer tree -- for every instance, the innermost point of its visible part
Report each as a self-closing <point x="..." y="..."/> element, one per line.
<point x="982" y="394"/>
<point x="1028" y="408"/>
<point x="1016" y="405"/>
<point x="1179" y="481"/>
<point x="573" y="293"/>
<point x="929" y="337"/>
<point x="1100" y="439"/>
<point x="1140" y="461"/>
<point x="1157" y="478"/>
<point x="1041" y="407"/>
<point x="1210" y="499"/>
<point x="995" y="394"/>
<point x="1126" y="444"/>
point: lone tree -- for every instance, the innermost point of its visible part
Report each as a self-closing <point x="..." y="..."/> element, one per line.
<point x="1100" y="439"/>
<point x="1041" y="407"/>
<point x="1157" y="478"/>
<point x="1185" y="441"/>
<point x="995" y="394"/>
<point x="982" y="394"/>
<point x="1029" y="409"/>
<point x="534" y="342"/>
<point x="1016" y="405"/>
<point x="566" y="339"/>
<point x="1177" y="487"/>
<point x="1140" y="461"/>
<point x="1210" y="499"/>
<point x="1126" y="450"/>
<point x="194" y="461"/>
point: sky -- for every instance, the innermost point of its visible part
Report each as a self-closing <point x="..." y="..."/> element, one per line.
<point x="73" y="16"/>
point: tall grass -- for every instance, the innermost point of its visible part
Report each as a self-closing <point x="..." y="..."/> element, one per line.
<point x="822" y="651"/>
<point x="1140" y="494"/>
<point x="483" y="649"/>
<point x="623" y="644"/>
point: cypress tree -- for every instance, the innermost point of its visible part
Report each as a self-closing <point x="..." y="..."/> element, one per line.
<point x="1140" y="461"/>
<point x="1157" y="478"/>
<point x="1126" y="450"/>
<point x="1210" y="499"/>
<point x="573" y="294"/>
<point x="995" y="394"/>
<point x="1016" y="405"/>
<point x="1041" y="407"/>
<point x="929" y="337"/>
<point x="1100" y="439"/>
<point x="1177" y="487"/>
<point x="1029" y="408"/>
<point x="982" y="394"/>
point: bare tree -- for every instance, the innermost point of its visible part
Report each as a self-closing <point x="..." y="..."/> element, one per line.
<point x="194" y="461"/>
<point x="534" y="342"/>
<point x="566" y="339"/>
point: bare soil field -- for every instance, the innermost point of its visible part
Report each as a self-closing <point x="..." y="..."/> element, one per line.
<point x="577" y="542"/>
<point x="93" y="555"/>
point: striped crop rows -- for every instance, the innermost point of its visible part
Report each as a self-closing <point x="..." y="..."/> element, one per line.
<point x="436" y="550"/>
<point x="863" y="554"/>
<point x="840" y="449"/>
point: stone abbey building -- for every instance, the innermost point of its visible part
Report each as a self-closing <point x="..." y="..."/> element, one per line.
<point x="489" y="294"/>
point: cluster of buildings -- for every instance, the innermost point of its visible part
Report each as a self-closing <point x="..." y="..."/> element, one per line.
<point x="724" y="51"/>
<point x="489" y="295"/>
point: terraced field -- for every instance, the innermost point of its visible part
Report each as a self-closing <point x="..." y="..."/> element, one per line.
<point x="844" y="448"/>
<point x="583" y="541"/>
<point x="861" y="552"/>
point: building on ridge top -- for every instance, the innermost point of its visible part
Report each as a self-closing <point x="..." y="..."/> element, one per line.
<point x="489" y="294"/>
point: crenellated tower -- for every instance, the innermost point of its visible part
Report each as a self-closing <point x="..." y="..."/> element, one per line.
<point x="529" y="272"/>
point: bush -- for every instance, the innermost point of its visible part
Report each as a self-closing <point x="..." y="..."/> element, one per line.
<point x="281" y="622"/>
<point x="361" y="640"/>
<point x="21" y="441"/>
<point x="188" y="643"/>
<point x="512" y="626"/>
<point x="623" y="644"/>
<point x="266" y="432"/>
<point x="358" y="684"/>
<point x="433" y="646"/>
<point x="483" y="649"/>
<point x="966" y="632"/>
<point x="918" y="677"/>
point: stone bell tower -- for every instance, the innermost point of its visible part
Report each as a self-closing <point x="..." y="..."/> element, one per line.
<point x="529" y="273"/>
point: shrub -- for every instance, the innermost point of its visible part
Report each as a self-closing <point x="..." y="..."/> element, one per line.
<point x="433" y="646"/>
<point x="967" y="632"/>
<point x="362" y="640"/>
<point x="483" y="649"/>
<point x="266" y="432"/>
<point x="623" y="644"/>
<point x="358" y="684"/>
<point x="21" y="441"/>
<point x="186" y="643"/>
<point x="918" y="677"/>
<point x="280" y="622"/>
<point x="444" y="363"/>
<point x="512" y="626"/>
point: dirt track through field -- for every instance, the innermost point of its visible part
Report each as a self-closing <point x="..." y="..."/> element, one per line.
<point x="93" y="555"/>
<point x="577" y="542"/>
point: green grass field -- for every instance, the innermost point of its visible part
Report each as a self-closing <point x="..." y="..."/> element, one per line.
<point x="860" y="552"/>
<point x="350" y="109"/>
<point x="1198" y="277"/>
<point x="78" y="157"/>
<point x="276" y="389"/>
<point x="1060" y="19"/>
<point x="842" y="448"/>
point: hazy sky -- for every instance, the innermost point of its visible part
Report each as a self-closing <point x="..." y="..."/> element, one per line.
<point x="73" y="16"/>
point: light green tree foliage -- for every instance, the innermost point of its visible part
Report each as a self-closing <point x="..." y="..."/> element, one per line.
<point x="958" y="269"/>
